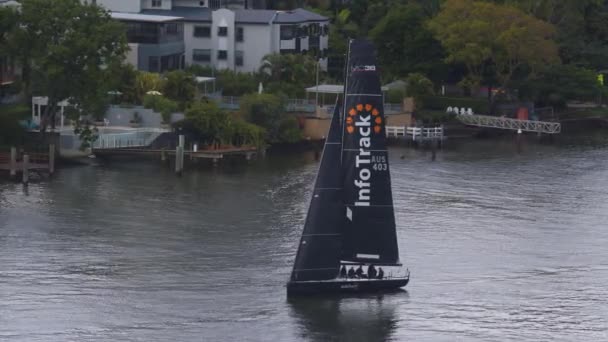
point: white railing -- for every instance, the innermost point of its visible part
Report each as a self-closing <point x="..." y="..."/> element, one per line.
<point x="418" y="133"/>
<point x="511" y="124"/>
<point x="140" y="137"/>
<point x="395" y="131"/>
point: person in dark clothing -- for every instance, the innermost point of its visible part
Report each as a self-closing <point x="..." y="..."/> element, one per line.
<point x="371" y="272"/>
<point x="343" y="272"/>
<point x="359" y="272"/>
<point x="351" y="273"/>
<point x="380" y="273"/>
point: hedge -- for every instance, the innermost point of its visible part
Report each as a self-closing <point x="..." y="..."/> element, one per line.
<point x="442" y="103"/>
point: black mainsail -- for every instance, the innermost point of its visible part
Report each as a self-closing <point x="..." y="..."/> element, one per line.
<point x="318" y="255"/>
<point x="369" y="227"/>
<point x="351" y="217"/>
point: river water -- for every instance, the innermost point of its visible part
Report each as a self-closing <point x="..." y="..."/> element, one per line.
<point x="501" y="246"/>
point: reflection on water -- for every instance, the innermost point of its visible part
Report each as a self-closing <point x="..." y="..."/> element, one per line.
<point x="363" y="318"/>
<point x="501" y="245"/>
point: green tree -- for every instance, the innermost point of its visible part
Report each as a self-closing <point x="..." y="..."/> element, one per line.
<point x="146" y="82"/>
<point x="180" y="87"/>
<point x="405" y="45"/>
<point x="235" y="83"/>
<point x="557" y="84"/>
<point x="268" y="112"/>
<point x="211" y="123"/>
<point x="68" y="43"/>
<point x="122" y="80"/>
<point x="480" y="34"/>
<point x="288" y="74"/>
<point x="162" y="105"/>
<point x="418" y="86"/>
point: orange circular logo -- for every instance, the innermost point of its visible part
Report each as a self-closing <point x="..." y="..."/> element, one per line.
<point x="360" y="109"/>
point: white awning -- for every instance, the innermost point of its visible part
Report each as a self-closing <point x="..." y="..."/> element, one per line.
<point x="202" y="79"/>
<point x="143" y="17"/>
<point x="330" y="89"/>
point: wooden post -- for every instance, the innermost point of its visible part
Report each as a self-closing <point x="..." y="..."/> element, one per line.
<point x="518" y="138"/>
<point x="26" y="173"/>
<point x="179" y="160"/>
<point x="13" y="162"/>
<point x="163" y="156"/>
<point x="51" y="159"/>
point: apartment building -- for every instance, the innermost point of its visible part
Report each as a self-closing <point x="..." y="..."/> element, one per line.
<point x="225" y="34"/>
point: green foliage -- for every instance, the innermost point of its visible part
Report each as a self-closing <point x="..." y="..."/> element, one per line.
<point x="395" y="95"/>
<point x="11" y="132"/>
<point x="210" y="122"/>
<point x="146" y="82"/>
<point x="122" y="79"/>
<point x="402" y="32"/>
<point x="200" y="70"/>
<point x="288" y="74"/>
<point x="289" y="130"/>
<point x="418" y="85"/>
<point x="268" y="111"/>
<point x="162" y="105"/>
<point x="245" y="133"/>
<point x="180" y="87"/>
<point x="235" y="83"/>
<point x="481" y="34"/>
<point x="86" y="133"/>
<point x="67" y="43"/>
<point x="555" y="85"/>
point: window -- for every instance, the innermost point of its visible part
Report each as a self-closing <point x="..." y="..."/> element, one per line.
<point x="157" y="3"/>
<point x="201" y="55"/>
<point x="314" y="42"/>
<point x="202" y="31"/>
<point x="222" y="55"/>
<point x="238" y="58"/>
<point x="239" y="34"/>
<point x="153" y="64"/>
<point x="222" y="31"/>
<point x="288" y="32"/>
<point x="201" y="3"/>
<point x="172" y="29"/>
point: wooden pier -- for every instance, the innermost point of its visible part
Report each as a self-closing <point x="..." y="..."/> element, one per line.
<point x="22" y="162"/>
<point x="247" y="152"/>
<point x="179" y="154"/>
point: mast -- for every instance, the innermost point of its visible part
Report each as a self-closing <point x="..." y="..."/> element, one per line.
<point x="318" y="256"/>
<point x="369" y="234"/>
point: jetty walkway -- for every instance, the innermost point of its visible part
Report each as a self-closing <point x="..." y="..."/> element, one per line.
<point x="468" y="118"/>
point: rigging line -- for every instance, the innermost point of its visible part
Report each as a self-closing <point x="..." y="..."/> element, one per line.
<point x="344" y="95"/>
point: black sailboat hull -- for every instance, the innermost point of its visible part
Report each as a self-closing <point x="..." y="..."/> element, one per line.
<point x="346" y="286"/>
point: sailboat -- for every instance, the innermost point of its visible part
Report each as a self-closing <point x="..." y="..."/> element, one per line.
<point x="351" y="221"/>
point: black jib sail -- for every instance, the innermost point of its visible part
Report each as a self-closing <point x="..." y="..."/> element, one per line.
<point x="369" y="226"/>
<point x="318" y="255"/>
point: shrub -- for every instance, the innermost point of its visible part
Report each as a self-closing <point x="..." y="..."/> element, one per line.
<point x="440" y="103"/>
